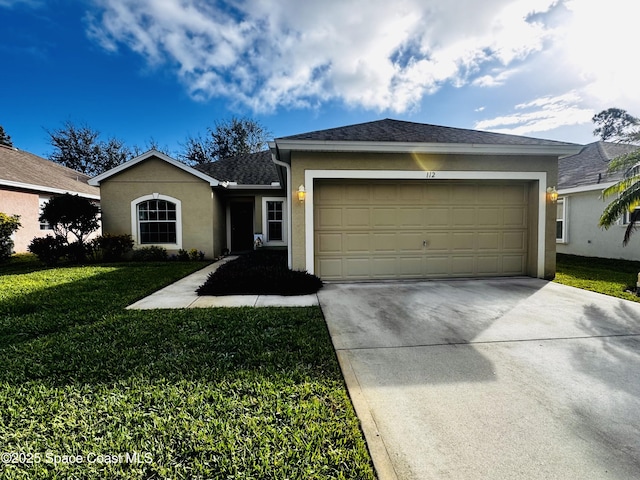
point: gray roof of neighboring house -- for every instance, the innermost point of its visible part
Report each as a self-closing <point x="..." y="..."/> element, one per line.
<point x="20" y="169"/>
<point x="389" y="130"/>
<point x="247" y="169"/>
<point x="589" y="167"/>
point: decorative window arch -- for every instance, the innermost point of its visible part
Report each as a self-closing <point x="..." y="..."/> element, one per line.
<point x="156" y="219"/>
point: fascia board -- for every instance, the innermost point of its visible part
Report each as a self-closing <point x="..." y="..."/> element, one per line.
<point x="44" y="189"/>
<point x="95" y="181"/>
<point x="449" y="148"/>
<point x="585" y="188"/>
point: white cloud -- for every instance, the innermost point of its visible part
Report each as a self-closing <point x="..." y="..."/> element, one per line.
<point x="540" y="115"/>
<point x="588" y="58"/>
<point x="375" y="54"/>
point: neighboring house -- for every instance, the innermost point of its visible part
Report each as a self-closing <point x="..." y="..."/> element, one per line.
<point x="582" y="178"/>
<point x="379" y="200"/>
<point x="27" y="182"/>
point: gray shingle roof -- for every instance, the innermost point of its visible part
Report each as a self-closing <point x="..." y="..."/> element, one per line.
<point x="589" y="167"/>
<point x="248" y="169"/>
<point x="26" y="168"/>
<point x="389" y="130"/>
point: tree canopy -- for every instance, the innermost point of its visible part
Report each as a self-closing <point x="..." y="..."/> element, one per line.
<point x="4" y="138"/>
<point x="615" y="124"/>
<point x="80" y="148"/>
<point x="227" y="138"/>
<point x="71" y="214"/>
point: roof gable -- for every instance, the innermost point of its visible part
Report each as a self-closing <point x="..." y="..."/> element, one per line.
<point x="152" y="154"/>
<point x="20" y="169"/>
<point x="589" y="166"/>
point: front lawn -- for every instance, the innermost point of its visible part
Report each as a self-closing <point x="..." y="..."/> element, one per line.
<point x="90" y="390"/>
<point x="602" y="275"/>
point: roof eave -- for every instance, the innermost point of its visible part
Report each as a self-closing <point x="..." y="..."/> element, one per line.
<point x="45" y="189"/>
<point x="404" y="147"/>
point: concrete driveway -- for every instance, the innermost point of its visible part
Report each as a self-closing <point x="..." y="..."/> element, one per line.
<point x="491" y="379"/>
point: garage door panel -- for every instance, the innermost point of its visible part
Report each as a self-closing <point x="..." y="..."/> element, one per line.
<point x="513" y="264"/>
<point x="357" y="192"/>
<point x="462" y="241"/>
<point x="383" y="217"/>
<point x="489" y="241"/>
<point x="514" y="194"/>
<point x="438" y="241"/>
<point x="437" y="217"/>
<point x="515" y="240"/>
<point x="384" y="267"/>
<point x="515" y="216"/>
<point x="410" y="229"/>
<point x="489" y="217"/>
<point x="463" y="265"/>
<point x="329" y="243"/>
<point x="357" y="243"/>
<point x="356" y="217"/>
<point x="357" y="267"/>
<point x="409" y="217"/>
<point x="437" y="266"/>
<point x="384" y="242"/>
<point x="330" y="268"/>
<point x="488" y="265"/>
<point x="328" y="218"/>
<point x="464" y="217"/>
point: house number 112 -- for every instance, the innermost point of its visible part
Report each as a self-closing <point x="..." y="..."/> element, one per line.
<point x="430" y="174"/>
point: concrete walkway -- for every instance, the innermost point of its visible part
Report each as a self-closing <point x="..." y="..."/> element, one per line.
<point x="182" y="294"/>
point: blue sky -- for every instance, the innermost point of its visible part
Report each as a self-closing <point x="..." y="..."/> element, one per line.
<point x="167" y="69"/>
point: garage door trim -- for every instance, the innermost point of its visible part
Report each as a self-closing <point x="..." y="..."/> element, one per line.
<point x="312" y="175"/>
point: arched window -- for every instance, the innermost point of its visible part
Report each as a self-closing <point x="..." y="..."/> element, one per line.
<point x="156" y="220"/>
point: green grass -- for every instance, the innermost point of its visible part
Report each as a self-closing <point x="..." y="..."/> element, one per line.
<point x="202" y="393"/>
<point x="602" y="275"/>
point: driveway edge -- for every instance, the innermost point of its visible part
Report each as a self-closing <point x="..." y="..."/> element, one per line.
<point x="377" y="448"/>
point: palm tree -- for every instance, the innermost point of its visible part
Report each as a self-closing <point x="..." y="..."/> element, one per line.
<point x="627" y="192"/>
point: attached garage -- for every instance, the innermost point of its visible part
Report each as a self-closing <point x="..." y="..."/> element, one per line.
<point x="401" y="200"/>
<point x="381" y="229"/>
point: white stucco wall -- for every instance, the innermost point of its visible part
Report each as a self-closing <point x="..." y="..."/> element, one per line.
<point x="586" y="238"/>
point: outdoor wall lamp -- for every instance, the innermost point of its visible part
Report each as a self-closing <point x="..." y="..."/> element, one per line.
<point x="552" y="194"/>
<point x="301" y="193"/>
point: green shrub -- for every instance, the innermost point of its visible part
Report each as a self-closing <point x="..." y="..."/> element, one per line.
<point x="183" y="255"/>
<point x="112" y="248"/>
<point x="8" y="225"/>
<point x="195" y="255"/>
<point x="262" y="272"/>
<point x="48" y="249"/>
<point x="151" y="253"/>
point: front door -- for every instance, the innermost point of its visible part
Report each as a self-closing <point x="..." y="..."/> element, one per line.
<point x="241" y="226"/>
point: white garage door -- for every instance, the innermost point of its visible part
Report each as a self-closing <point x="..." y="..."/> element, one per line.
<point x="406" y="229"/>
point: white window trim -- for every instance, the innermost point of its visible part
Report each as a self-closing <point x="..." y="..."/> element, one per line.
<point x="135" y="225"/>
<point x="311" y="175"/>
<point x="265" y="218"/>
<point x="565" y="204"/>
<point x="42" y="201"/>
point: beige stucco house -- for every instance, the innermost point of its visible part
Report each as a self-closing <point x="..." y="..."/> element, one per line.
<point x="582" y="178"/>
<point x="381" y="200"/>
<point x="27" y="182"/>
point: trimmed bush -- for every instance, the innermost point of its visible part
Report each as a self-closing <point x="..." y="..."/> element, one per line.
<point x="151" y="253"/>
<point x="262" y="272"/>
<point x="48" y="249"/>
<point x="112" y="248"/>
<point x="8" y="225"/>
